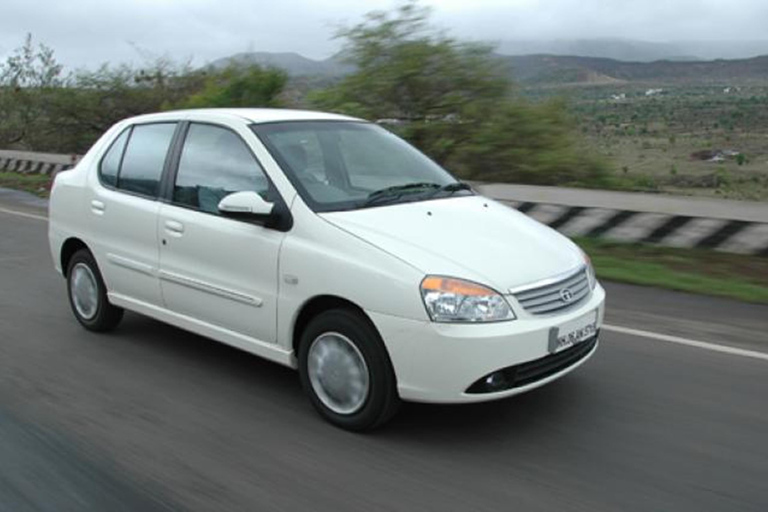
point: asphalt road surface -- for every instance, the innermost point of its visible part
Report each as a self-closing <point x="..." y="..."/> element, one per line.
<point x="153" y="418"/>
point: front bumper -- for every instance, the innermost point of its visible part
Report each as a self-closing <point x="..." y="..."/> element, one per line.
<point x="437" y="363"/>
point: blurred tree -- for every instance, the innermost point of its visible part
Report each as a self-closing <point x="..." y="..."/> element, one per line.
<point x="252" y="86"/>
<point x="407" y="70"/>
<point x="95" y="100"/>
<point x="42" y="111"/>
<point x="454" y="101"/>
<point x="92" y="101"/>
<point x="28" y="78"/>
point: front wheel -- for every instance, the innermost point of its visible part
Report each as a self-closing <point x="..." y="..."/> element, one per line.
<point x="88" y="295"/>
<point x="346" y="371"/>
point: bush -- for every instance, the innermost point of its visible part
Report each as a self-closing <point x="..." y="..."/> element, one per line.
<point x="41" y="111"/>
<point x="252" y="86"/>
<point x="526" y="143"/>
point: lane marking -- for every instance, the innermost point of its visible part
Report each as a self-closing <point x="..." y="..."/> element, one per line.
<point x="23" y="214"/>
<point x="691" y="343"/>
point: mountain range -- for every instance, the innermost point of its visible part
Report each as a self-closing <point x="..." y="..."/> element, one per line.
<point x="546" y="69"/>
<point x="635" y="50"/>
<point x="554" y="69"/>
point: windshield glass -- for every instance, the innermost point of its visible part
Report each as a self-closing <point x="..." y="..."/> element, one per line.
<point x="340" y="165"/>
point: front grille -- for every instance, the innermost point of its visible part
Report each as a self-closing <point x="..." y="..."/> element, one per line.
<point x="533" y="371"/>
<point x="528" y="373"/>
<point x="551" y="297"/>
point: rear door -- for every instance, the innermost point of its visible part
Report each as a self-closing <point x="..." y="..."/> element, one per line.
<point x="124" y="207"/>
<point x="215" y="269"/>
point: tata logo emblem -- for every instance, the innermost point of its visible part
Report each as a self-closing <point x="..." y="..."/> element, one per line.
<point x="566" y="295"/>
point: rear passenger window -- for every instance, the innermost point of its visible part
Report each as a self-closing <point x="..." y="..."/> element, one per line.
<point x="215" y="162"/>
<point x="144" y="158"/>
<point x="111" y="161"/>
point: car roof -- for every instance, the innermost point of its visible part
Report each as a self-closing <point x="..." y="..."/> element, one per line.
<point x="250" y="115"/>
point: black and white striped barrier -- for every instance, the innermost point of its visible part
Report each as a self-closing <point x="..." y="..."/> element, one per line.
<point x="31" y="167"/>
<point x="737" y="236"/>
<point x="35" y="163"/>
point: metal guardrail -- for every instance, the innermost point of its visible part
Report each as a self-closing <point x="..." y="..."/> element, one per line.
<point x="35" y="163"/>
<point x="731" y="226"/>
<point x="673" y="221"/>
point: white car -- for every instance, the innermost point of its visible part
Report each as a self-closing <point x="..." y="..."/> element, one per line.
<point x="327" y="244"/>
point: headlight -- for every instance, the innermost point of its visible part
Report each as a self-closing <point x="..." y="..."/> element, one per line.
<point x="456" y="300"/>
<point x="590" y="271"/>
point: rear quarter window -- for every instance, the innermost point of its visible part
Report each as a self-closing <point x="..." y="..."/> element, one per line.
<point x="144" y="158"/>
<point x="110" y="164"/>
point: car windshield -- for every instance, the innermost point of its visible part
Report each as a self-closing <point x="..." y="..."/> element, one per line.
<point x="346" y="165"/>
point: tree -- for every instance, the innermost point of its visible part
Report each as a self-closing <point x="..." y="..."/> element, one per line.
<point x="252" y="86"/>
<point x="407" y="70"/>
<point x="92" y="101"/>
<point x="528" y="143"/>
<point x="27" y="79"/>
<point x="455" y="101"/>
<point x="42" y="111"/>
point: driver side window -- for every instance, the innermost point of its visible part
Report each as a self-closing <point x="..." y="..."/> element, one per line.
<point x="215" y="162"/>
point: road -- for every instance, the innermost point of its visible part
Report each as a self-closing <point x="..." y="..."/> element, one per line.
<point x="153" y="418"/>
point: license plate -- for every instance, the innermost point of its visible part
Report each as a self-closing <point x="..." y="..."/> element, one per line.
<point x="573" y="332"/>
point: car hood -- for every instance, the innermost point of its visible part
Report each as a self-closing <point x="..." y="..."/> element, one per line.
<point x="469" y="237"/>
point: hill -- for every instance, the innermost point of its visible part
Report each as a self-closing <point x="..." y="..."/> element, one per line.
<point x="547" y="69"/>
<point x="554" y="69"/>
<point x="637" y="51"/>
<point x="617" y="49"/>
<point x="293" y="63"/>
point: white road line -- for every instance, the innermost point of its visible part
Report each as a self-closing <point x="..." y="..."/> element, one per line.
<point x="615" y="328"/>
<point x="691" y="343"/>
<point x="23" y="214"/>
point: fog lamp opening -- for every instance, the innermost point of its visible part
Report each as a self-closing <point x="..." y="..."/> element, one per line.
<point x="492" y="383"/>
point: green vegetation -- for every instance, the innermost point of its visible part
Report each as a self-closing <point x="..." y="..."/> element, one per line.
<point x="37" y="184"/>
<point x="27" y="80"/>
<point x="42" y="110"/>
<point x="716" y="141"/>
<point x="454" y="101"/>
<point x="707" y="272"/>
<point x="239" y="87"/>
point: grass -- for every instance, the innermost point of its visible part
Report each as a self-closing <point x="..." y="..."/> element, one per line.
<point x="707" y="272"/>
<point x="37" y="184"/>
<point x="656" y="144"/>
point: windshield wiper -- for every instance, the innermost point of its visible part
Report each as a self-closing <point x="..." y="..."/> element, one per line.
<point x="451" y="188"/>
<point x="396" y="191"/>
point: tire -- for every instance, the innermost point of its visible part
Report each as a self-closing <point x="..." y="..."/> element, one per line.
<point x="88" y="295"/>
<point x="341" y="336"/>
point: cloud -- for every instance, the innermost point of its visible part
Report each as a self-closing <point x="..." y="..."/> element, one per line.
<point x="90" y="32"/>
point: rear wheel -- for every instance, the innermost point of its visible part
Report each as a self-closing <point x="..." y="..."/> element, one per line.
<point x="346" y="371"/>
<point x="88" y="295"/>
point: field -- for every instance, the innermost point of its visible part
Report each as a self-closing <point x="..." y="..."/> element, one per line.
<point x="691" y="139"/>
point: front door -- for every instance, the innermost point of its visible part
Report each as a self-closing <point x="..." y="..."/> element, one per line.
<point x="214" y="269"/>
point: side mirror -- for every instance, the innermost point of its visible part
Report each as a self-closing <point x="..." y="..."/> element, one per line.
<point x="245" y="204"/>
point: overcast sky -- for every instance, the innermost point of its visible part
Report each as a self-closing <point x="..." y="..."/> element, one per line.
<point x="89" y="32"/>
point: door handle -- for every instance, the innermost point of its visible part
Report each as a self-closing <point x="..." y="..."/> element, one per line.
<point x="174" y="227"/>
<point x="98" y="207"/>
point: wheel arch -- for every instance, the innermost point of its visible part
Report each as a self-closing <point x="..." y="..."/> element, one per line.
<point x="317" y="305"/>
<point x="68" y="249"/>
